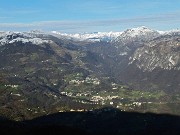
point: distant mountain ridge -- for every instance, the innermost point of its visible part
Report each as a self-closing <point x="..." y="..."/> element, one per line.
<point x="139" y="32"/>
<point x="96" y="36"/>
<point x="110" y="36"/>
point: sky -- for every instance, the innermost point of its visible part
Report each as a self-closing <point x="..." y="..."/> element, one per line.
<point x="76" y="16"/>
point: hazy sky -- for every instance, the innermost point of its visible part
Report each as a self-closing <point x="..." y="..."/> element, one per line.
<point x="88" y="15"/>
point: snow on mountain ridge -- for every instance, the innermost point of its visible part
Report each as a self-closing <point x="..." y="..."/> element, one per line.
<point x="11" y="37"/>
<point x="96" y="36"/>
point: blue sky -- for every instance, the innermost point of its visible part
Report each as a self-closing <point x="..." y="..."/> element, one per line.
<point x="88" y="15"/>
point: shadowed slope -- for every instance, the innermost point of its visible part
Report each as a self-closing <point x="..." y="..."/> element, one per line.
<point x="103" y="121"/>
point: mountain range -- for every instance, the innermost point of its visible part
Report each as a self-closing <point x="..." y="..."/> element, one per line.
<point x="47" y="72"/>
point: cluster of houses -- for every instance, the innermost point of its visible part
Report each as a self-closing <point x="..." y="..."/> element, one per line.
<point x="89" y="80"/>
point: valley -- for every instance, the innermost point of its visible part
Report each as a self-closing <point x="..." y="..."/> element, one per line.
<point x="136" y="70"/>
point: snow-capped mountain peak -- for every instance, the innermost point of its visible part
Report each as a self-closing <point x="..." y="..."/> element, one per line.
<point x="139" y="31"/>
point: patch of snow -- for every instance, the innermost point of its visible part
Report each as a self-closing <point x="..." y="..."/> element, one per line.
<point x="171" y="61"/>
<point x="123" y="53"/>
